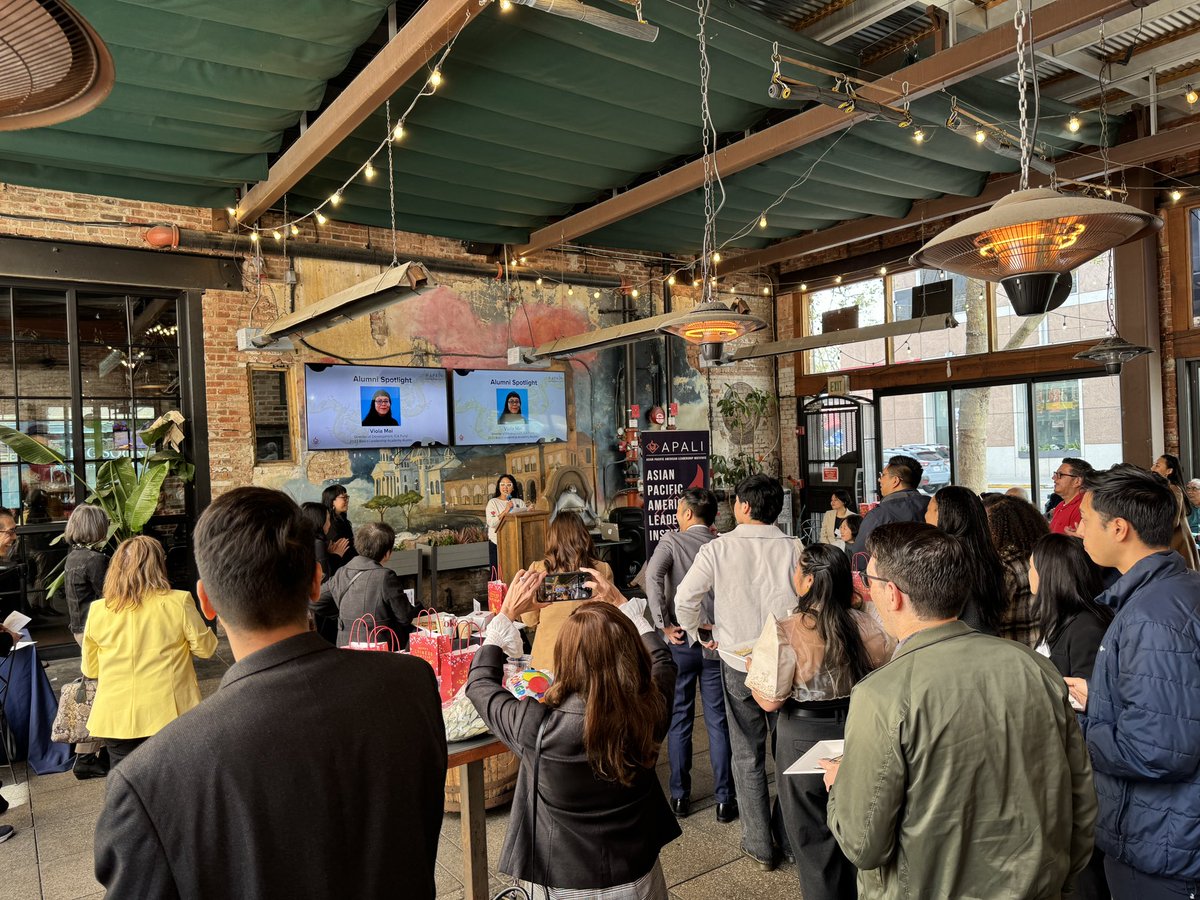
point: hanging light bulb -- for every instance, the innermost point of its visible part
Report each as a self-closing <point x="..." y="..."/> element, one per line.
<point x="233" y="212"/>
<point x="634" y="293"/>
<point x="596" y="295"/>
<point x="254" y="237"/>
<point x="369" y="172"/>
<point x="435" y="79"/>
<point x="398" y="132"/>
<point x="803" y="287"/>
<point x="883" y="270"/>
<point x="919" y="135"/>
<point x="980" y="135"/>
<point x="335" y="199"/>
<point x="521" y="260"/>
<point x="539" y="281"/>
<point x="1176" y="195"/>
<point x="505" y="5"/>
<point x="275" y="234"/>
<point x="762" y="221"/>
<point x="1031" y="240"/>
<point x="671" y="280"/>
<point x="295" y="230"/>
<point x="766" y="291"/>
<point x="1074" y="124"/>
<point x="1191" y="96"/>
<point x="321" y="220"/>
<point x="695" y="282"/>
<point x="837" y="279"/>
<point x="716" y="257"/>
<point x="570" y="292"/>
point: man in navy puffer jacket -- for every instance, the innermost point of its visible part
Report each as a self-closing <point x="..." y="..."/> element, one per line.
<point x="1142" y="703"/>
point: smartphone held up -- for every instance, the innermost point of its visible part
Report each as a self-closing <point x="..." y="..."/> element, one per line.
<point x="566" y="586"/>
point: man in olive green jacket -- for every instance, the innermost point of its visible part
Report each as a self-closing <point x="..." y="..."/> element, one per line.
<point x="965" y="774"/>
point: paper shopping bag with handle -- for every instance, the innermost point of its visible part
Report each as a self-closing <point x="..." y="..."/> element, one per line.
<point x="432" y="637"/>
<point x="496" y="591"/>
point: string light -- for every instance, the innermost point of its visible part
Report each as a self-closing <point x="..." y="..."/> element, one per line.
<point x="321" y="220"/>
<point x="275" y="234"/>
<point x="254" y="237"/>
<point x="231" y="211"/>
<point x="837" y="279"/>
<point x="435" y="79"/>
<point x="505" y="5"/>
<point x="1074" y="124"/>
<point x="335" y="199"/>
<point x="522" y="260"/>
<point x="766" y="292"/>
<point x="803" y="287"/>
<point x="1176" y="195"/>
<point x="980" y="136"/>
<point x="596" y="295"/>
<point x="671" y="281"/>
<point x="762" y="221"/>
<point x="695" y="282"/>
<point x="1191" y="96"/>
<point x="883" y="270"/>
<point x="919" y="135"/>
<point x="295" y="230"/>
<point x="398" y="133"/>
<point x="369" y="172"/>
<point x="634" y="293"/>
<point x="570" y="292"/>
<point x="538" y="282"/>
<point x="716" y="257"/>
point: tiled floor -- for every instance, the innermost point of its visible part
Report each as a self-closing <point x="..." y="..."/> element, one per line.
<point x="51" y="856"/>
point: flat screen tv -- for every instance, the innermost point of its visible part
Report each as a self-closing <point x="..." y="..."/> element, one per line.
<point x="371" y="407"/>
<point x="501" y="406"/>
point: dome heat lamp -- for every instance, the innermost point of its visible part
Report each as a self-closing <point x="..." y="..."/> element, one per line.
<point x="712" y="324"/>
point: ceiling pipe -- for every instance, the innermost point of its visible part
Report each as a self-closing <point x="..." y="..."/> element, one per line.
<point x="172" y="237"/>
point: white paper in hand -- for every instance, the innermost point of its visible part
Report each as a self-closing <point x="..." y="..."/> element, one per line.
<point x="808" y="764"/>
<point x="15" y="622"/>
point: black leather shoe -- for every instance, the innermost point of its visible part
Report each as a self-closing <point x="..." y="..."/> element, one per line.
<point x="727" y="812"/>
<point x="681" y="806"/>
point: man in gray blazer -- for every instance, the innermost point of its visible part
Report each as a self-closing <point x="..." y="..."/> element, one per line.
<point x="670" y="561"/>
<point x="311" y="772"/>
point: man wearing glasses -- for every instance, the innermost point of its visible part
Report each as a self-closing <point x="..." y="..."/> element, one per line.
<point x="902" y="502"/>
<point x="1068" y="484"/>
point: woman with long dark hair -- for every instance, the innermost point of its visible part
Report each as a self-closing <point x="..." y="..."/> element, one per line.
<point x="505" y="498"/>
<point x="1065" y="583"/>
<point x="569" y="548"/>
<point x="336" y="499"/>
<point x="513" y="413"/>
<point x="805" y="666"/>
<point x="589" y="813"/>
<point x="958" y="511"/>
<point x="1015" y="526"/>
<point x="1181" y="540"/>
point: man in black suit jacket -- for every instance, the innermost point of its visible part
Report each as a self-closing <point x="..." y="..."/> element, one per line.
<point x="312" y="772"/>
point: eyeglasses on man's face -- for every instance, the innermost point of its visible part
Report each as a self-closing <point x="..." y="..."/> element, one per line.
<point x="1057" y="475"/>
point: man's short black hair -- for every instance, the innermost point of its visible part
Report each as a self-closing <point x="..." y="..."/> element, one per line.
<point x="765" y="496"/>
<point x="924" y="562"/>
<point x="254" y="549"/>
<point x="1141" y="498"/>
<point x="375" y="540"/>
<point x="1080" y="467"/>
<point x="702" y="502"/>
<point x="907" y="469"/>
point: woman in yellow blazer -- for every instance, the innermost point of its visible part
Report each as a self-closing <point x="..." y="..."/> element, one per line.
<point x="569" y="548"/>
<point x="138" y="644"/>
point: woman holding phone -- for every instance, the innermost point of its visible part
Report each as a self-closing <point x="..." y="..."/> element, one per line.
<point x="569" y="548"/>
<point x="804" y="666"/>
<point x="590" y="815"/>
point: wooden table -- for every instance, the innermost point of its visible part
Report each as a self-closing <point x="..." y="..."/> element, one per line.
<point x="469" y="756"/>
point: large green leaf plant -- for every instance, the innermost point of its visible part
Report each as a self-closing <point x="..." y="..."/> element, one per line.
<point x="127" y="495"/>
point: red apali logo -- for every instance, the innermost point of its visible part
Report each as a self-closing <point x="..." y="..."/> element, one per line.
<point x="652" y="447"/>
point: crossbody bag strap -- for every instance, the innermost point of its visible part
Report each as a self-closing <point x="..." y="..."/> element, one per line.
<point x="537" y="759"/>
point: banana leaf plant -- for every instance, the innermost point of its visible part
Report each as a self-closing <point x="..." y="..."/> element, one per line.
<point x="127" y="495"/>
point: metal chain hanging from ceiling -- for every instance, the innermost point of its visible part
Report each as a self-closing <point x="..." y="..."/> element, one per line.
<point x="708" y="146"/>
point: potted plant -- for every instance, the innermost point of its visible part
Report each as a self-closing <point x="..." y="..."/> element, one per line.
<point x="464" y="548"/>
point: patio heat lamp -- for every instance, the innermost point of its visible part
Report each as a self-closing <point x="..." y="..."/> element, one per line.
<point x="710" y="324"/>
<point x="1031" y="240"/>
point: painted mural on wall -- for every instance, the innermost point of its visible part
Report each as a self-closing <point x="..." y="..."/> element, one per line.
<point x="470" y="324"/>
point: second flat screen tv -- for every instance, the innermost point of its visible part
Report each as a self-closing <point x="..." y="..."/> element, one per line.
<point x="498" y="406"/>
<point x="369" y="407"/>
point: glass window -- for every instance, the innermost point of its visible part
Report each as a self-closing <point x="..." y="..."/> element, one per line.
<point x="870" y="300"/>
<point x="1080" y="418"/>
<point x="918" y="425"/>
<point x="43" y="369"/>
<point x="939" y="344"/>
<point x="272" y="420"/>
<point x="155" y="321"/>
<point x="991" y="448"/>
<point x="39" y="315"/>
<point x="102" y="319"/>
<point x="1194" y="268"/>
<point x="1083" y="316"/>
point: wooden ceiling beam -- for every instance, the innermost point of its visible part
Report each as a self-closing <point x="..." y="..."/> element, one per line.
<point x="422" y="37"/>
<point x="1163" y="145"/>
<point x="1057" y="20"/>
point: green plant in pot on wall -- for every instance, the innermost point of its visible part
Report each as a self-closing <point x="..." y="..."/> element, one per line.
<point x="744" y="412"/>
<point x="128" y="495"/>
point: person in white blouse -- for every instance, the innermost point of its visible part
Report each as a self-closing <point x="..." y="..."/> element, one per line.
<point x="505" y="499"/>
<point x="841" y="504"/>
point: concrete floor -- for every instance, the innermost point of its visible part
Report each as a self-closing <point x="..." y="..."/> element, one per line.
<point x="51" y="856"/>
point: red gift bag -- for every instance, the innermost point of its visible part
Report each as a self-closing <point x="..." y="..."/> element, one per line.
<point x="496" y="591"/>
<point x="432" y="637"/>
<point x="456" y="665"/>
<point x="366" y="635"/>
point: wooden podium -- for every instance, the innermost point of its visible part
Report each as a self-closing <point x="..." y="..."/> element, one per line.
<point x="520" y="540"/>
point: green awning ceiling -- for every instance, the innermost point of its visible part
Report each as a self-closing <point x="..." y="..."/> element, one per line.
<point x="538" y="117"/>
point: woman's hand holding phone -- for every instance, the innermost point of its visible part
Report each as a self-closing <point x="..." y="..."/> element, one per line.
<point x="523" y="595"/>
<point x="603" y="589"/>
